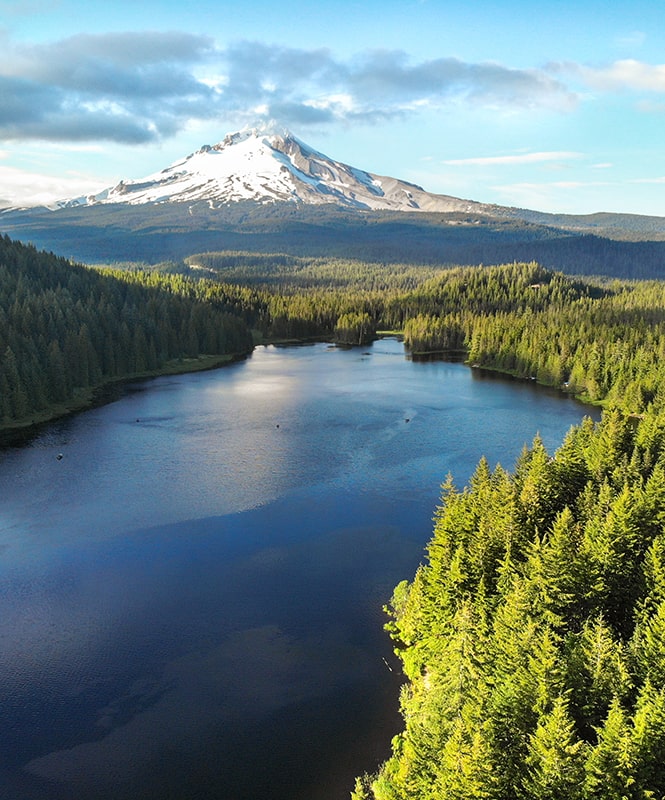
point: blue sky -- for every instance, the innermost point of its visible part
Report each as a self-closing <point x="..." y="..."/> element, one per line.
<point x="556" y="106"/>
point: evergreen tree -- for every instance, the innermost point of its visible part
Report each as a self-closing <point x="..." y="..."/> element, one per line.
<point x="556" y="757"/>
<point x="609" y="768"/>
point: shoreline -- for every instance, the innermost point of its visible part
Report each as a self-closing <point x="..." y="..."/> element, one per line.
<point x="460" y="356"/>
<point x="19" y="432"/>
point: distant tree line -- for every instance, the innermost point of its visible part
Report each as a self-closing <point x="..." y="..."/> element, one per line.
<point x="602" y="340"/>
<point x="162" y="231"/>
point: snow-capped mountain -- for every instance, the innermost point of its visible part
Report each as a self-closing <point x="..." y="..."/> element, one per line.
<point x="270" y="168"/>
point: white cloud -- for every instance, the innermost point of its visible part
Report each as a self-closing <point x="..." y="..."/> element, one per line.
<point x="519" y="158"/>
<point x="216" y="82"/>
<point x="339" y="103"/>
<point x="31" y="188"/>
<point x="625" y="74"/>
<point x="135" y="88"/>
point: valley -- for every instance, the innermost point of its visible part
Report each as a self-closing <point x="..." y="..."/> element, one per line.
<point x="247" y="525"/>
<point x="332" y="400"/>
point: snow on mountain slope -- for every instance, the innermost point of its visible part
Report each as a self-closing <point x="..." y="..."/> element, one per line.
<point x="269" y="168"/>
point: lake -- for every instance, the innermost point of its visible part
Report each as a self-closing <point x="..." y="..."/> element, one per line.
<point x="192" y="577"/>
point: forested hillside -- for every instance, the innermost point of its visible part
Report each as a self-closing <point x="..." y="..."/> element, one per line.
<point x="155" y="233"/>
<point x="603" y="343"/>
<point x="65" y="329"/>
<point x="533" y="636"/>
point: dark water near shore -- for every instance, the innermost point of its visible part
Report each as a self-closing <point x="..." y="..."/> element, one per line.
<point x="190" y="599"/>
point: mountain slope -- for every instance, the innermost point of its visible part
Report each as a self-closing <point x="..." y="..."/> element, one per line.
<point x="269" y="168"/>
<point x="269" y="192"/>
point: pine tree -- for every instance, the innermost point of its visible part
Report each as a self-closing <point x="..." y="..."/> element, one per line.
<point x="609" y="769"/>
<point x="648" y="741"/>
<point x="648" y="647"/>
<point x="598" y="672"/>
<point x="556" y="756"/>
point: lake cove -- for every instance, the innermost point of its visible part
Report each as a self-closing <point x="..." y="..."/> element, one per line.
<point x="191" y="596"/>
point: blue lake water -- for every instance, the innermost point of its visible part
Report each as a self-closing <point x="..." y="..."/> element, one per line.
<point x="191" y="597"/>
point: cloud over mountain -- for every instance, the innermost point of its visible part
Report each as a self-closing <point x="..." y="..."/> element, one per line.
<point x="141" y="87"/>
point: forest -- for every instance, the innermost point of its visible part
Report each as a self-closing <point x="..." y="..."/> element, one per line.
<point x="66" y="330"/>
<point x="603" y="244"/>
<point x="532" y="637"/>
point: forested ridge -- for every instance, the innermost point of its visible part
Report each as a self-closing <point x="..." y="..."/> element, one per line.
<point x="65" y="329"/>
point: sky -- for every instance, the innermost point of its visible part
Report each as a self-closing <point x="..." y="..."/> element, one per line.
<point x="557" y="106"/>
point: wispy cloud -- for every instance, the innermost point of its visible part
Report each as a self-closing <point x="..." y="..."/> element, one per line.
<point x="626" y="74"/>
<point x="32" y="188"/>
<point x="516" y="159"/>
<point x="632" y="39"/>
<point x="143" y="87"/>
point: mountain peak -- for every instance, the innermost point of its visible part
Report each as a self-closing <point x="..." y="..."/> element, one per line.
<point x="267" y="130"/>
<point x="268" y="164"/>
